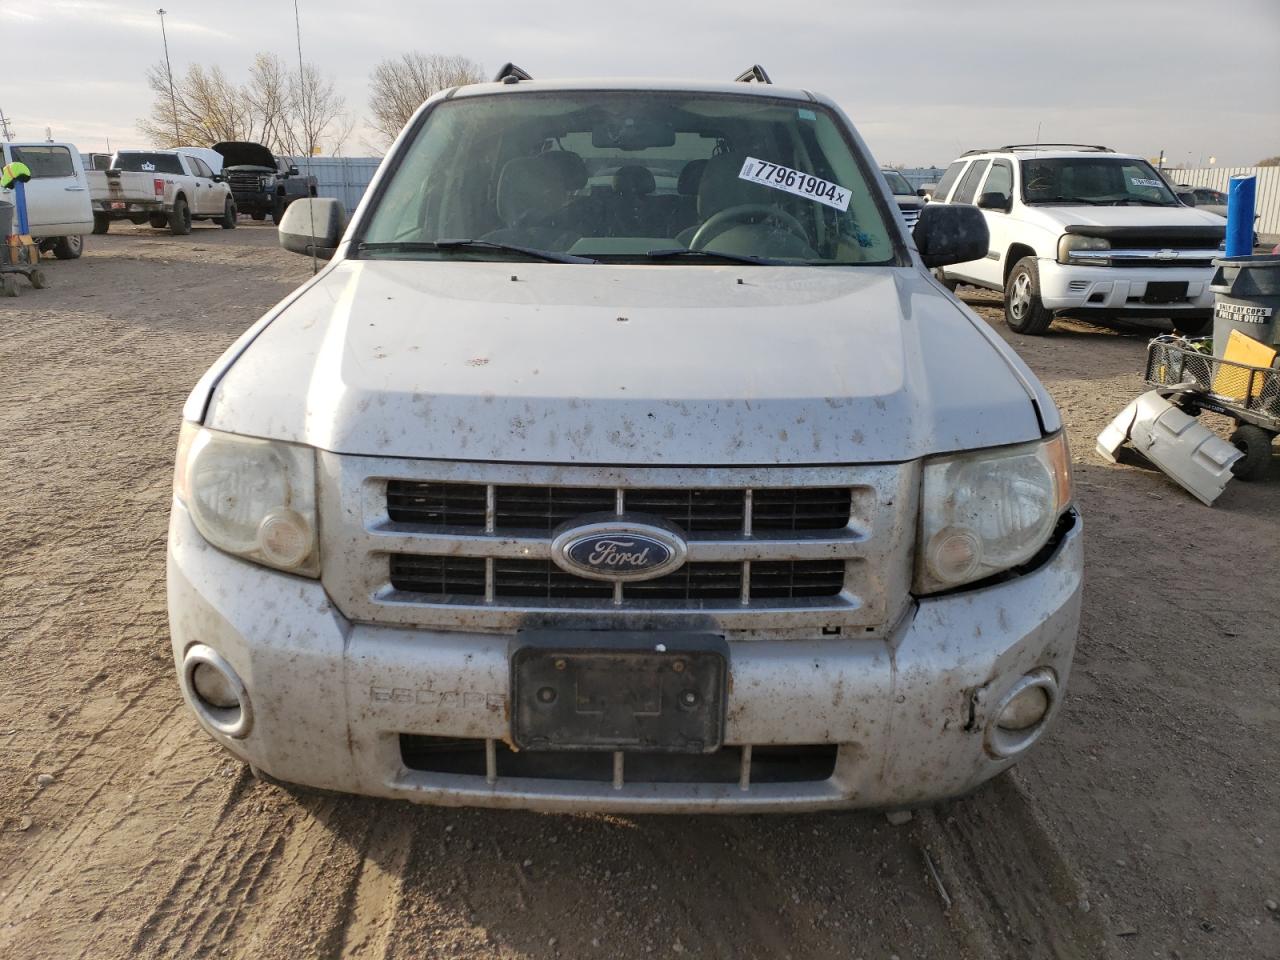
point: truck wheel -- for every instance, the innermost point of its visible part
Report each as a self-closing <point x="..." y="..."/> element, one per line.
<point x="158" y="220"/>
<point x="101" y="223"/>
<point x="228" y="221"/>
<point x="258" y="215"/>
<point x="1023" y="310"/>
<point x="180" y="218"/>
<point x="1255" y="444"/>
<point x="68" y="248"/>
<point x="277" y="210"/>
<point x="1192" y="327"/>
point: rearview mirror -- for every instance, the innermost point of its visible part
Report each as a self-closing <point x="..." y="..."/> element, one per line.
<point x="633" y="133"/>
<point x="313" y="225"/>
<point x="951" y="233"/>
<point x="995" y="201"/>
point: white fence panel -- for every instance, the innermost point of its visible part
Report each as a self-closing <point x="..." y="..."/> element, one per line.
<point x="1268" y="201"/>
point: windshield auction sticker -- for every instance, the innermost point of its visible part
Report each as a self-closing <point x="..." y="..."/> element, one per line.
<point x="793" y="181"/>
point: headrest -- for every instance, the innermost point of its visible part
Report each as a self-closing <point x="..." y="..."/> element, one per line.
<point x="633" y="180"/>
<point x="571" y="166"/>
<point x="690" y="177"/>
<point x="721" y="189"/>
<point x="529" y="189"/>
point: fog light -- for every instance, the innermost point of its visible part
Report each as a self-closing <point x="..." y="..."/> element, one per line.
<point x="1021" y="716"/>
<point x="216" y="692"/>
<point x="1025" y="710"/>
<point x="214" y="687"/>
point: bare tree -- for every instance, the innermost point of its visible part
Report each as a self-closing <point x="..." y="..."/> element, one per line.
<point x="291" y="112"/>
<point x="1269" y="162"/>
<point x="397" y="87"/>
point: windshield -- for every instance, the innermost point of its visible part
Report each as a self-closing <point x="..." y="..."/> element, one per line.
<point x="147" y="163"/>
<point x="1094" y="180"/>
<point x="622" y="176"/>
<point x="898" y="185"/>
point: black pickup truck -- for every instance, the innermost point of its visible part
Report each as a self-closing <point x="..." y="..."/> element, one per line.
<point x="261" y="182"/>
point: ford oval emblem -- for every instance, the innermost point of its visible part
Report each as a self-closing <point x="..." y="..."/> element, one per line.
<point x="618" y="549"/>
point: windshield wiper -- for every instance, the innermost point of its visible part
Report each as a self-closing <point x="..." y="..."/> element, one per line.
<point x="417" y="246"/>
<point x="711" y="255"/>
<point x="1142" y="200"/>
<point x="1092" y="203"/>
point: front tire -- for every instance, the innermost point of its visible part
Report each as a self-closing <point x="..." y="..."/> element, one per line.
<point x="101" y="223"/>
<point x="180" y="218"/>
<point x="1023" y="310"/>
<point x="258" y="215"/>
<point x="1255" y="444"/>
<point x="68" y="248"/>
<point x="228" y="221"/>
<point x="277" y="210"/>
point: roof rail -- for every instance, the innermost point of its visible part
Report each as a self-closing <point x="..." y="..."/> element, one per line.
<point x="756" y="74"/>
<point x="510" y="73"/>
<point x="1013" y="147"/>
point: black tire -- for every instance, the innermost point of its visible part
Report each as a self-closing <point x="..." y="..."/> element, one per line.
<point x="277" y="210"/>
<point x="101" y="223"/>
<point x="159" y="221"/>
<point x="38" y="279"/>
<point x="1023" y="311"/>
<point x="8" y="286"/>
<point x="228" y="221"/>
<point x="68" y="248"/>
<point x="1192" y="327"/>
<point x="180" y="218"/>
<point x="1255" y="444"/>
<point x="258" y="215"/>
<point x="138" y="221"/>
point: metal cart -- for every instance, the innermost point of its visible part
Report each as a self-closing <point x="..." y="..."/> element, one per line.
<point x="1248" y="395"/>
<point x="17" y="260"/>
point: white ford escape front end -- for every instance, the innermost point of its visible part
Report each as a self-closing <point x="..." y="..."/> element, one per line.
<point x="626" y="457"/>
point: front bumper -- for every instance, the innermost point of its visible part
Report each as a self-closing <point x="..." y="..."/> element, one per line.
<point x="911" y="714"/>
<point x="253" y="201"/>
<point x="1120" y="289"/>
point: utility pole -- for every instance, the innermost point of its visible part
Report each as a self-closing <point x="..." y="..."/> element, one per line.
<point x="5" y="131"/>
<point x="173" y="100"/>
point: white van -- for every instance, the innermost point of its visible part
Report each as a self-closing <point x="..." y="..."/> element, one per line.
<point x="58" y="210"/>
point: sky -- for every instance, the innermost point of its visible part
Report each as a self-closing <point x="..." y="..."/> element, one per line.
<point x="923" y="80"/>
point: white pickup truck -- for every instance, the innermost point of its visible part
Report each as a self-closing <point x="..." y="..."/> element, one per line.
<point x="166" y="188"/>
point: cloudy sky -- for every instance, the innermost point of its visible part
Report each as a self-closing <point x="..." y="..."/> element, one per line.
<point x="923" y="79"/>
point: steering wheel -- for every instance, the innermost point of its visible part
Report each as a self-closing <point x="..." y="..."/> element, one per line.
<point x="719" y="222"/>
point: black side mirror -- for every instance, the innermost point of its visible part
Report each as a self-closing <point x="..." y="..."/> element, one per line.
<point x="312" y="224"/>
<point x="995" y="201"/>
<point x="293" y="171"/>
<point x="217" y="178"/>
<point x="951" y="233"/>
<point x="922" y="192"/>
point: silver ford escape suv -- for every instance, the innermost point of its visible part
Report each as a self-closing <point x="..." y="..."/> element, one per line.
<point x="624" y="455"/>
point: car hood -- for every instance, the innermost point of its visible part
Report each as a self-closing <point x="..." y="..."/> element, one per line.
<point x="242" y="153"/>
<point x="653" y="365"/>
<point x="1135" y="216"/>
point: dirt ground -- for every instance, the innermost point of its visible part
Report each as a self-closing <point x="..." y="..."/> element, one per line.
<point x="1146" y="825"/>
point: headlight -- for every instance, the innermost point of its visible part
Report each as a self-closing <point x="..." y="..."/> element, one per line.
<point x="254" y="498"/>
<point x="988" y="511"/>
<point x="268" y="183"/>
<point x="1068" y="243"/>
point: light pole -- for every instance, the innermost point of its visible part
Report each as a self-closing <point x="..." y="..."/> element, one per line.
<point x="173" y="101"/>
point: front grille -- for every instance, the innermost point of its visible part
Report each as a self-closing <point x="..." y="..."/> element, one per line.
<point x="244" y="181"/>
<point x="541" y="509"/>
<point x="441" y="578"/>
<point x="911" y="215"/>
<point x="802" y="763"/>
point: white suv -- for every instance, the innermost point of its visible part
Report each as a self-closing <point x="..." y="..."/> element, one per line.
<point x="1082" y="230"/>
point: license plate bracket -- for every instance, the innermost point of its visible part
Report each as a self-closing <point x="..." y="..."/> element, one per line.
<point x="1165" y="291"/>
<point x="606" y="690"/>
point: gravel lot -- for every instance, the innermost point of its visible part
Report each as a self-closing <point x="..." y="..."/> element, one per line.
<point x="1146" y="825"/>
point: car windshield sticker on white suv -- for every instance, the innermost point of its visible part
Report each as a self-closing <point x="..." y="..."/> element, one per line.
<point x="1144" y="182"/>
<point x="794" y="181"/>
<point x="148" y="167"/>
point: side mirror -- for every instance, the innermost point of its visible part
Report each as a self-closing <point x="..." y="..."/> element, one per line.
<point x="293" y="171"/>
<point x="922" y="192"/>
<point x="950" y="233"/>
<point x="995" y="201"/>
<point x="313" y="224"/>
<point x="217" y="178"/>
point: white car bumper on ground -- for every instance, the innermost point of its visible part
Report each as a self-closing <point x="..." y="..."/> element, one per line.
<point x="340" y="705"/>
<point x="1120" y="289"/>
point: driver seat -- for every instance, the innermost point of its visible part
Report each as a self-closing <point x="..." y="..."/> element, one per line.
<point x="721" y="189"/>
